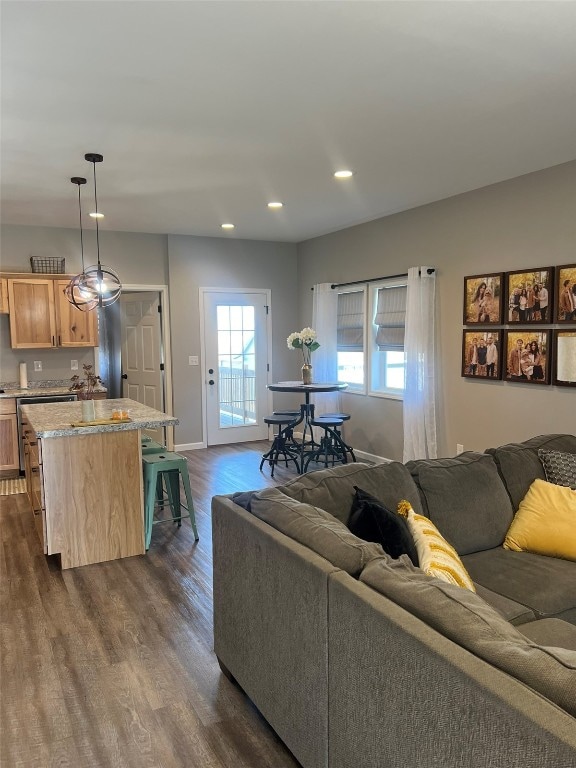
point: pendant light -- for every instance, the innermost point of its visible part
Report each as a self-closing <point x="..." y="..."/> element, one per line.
<point x="78" y="296"/>
<point x="98" y="280"/>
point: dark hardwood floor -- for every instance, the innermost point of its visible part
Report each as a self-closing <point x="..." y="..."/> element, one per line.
<point x="113" y="664"/>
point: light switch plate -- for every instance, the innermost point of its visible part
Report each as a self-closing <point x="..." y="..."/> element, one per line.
<point x="73" y="365"/>
<point x="193" y="360"/>
<point x="37" y="365"/>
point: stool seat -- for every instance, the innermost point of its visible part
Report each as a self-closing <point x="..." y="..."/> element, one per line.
<point x="280" y="450"/>
<point x="151" y="446"/>
<point x="172" y="467"/>
<point x="343" y="416"/>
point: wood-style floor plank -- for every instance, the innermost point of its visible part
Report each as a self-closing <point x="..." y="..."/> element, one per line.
<point x="112" y="665"/>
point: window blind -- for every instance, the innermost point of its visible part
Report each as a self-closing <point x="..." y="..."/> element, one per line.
<point x="350" y="330"/>
<point x="390" y="318"/>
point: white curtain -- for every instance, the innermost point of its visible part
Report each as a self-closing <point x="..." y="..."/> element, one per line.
<point x="419" y="348"/>
<point x="325" y="359"/>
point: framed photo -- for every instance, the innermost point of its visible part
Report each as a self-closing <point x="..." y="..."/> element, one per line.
<point x="529" y="296"/>
<point x="481" y="354"/>
<point x="565" y="294"/>
<point x="564" y="358"/>
<point x="483" y="299"/>
<point x="527" y="356"/>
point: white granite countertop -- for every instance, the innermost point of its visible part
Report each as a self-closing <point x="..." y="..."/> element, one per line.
<point x="55" y="419"/>
<point x="35" y="392"/>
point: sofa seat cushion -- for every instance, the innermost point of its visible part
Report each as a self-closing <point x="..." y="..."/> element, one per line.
<point x="333" y="488"/>
<point x="547" y="585"/>
<point x="519" y="464"/>
<point x="316" y="529"/>
<point x="514" y="612"/>
<point x="467" y="620"/>
<point x="554" y="632"/>
<point x="465" y="498"/>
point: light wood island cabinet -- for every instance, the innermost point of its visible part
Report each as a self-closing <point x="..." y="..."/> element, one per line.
<point x="9" y="460"/>
<point x="85" y="483"/>
<point x="41" y="317"/>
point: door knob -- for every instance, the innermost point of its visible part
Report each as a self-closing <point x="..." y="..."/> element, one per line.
<point x="124" y="375"/>
<point x="211" y="382"/>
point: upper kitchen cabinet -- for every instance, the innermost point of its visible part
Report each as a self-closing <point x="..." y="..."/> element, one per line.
<point x="41" y="317"/>
<point x="3" y="296"/>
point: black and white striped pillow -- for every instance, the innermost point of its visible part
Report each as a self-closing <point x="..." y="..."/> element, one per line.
<point x="559" y="467"/>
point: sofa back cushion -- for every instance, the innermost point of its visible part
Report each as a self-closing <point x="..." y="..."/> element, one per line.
<point x="519" y="464"/>
<point x="465" y="498"/>
<point x="467" y="620"/>
<point x="333" y="489"/>
<point x="316" y="529"/>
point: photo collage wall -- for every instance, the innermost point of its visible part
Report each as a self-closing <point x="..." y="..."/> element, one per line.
<point x="521" y="326"/>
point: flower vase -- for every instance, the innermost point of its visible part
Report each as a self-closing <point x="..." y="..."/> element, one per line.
<point x="306" y="373"/>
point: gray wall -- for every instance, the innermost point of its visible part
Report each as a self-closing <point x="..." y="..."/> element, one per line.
<point x="136" y="257"/>
<point x="529" y="221"/>
<point x="204" y="262"/>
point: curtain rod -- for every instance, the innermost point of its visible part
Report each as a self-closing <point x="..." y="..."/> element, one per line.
<point x="430" y="271"/>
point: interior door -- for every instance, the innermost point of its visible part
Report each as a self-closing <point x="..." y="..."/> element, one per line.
<point x="235" y="366"/>
<point x="142" y="374"/>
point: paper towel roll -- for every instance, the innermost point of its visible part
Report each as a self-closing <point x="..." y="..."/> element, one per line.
<point x="23" y="376"/>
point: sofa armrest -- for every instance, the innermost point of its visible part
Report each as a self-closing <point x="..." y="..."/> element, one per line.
<point x="402" y="694"/>
<point x="271" y="626"/>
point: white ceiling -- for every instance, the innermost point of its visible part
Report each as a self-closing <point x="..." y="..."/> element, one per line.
<point x="205" y="111"/>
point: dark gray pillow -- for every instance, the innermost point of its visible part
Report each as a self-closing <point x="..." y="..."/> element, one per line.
<point x="559" y="467"/>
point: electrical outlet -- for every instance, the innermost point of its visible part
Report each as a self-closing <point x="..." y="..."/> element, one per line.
<point x="73" y="365"/>
<point x="459" y="449"/>
<point x="193" y="360"/>
<point x="37" y="365"/>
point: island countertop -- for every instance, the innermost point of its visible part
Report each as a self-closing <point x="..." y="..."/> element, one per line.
<point x="56" y="419"/>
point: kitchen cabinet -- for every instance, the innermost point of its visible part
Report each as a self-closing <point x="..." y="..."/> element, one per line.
<point x="9" y="460"/>
<point x="41" y="317"/>
<point x="3" y="296"/>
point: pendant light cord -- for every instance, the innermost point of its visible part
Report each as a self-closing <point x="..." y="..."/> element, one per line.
<point x="96" y="211"/>
<point x="81" y="233"/>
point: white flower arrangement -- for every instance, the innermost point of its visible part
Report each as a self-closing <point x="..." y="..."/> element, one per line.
<point x="306" y="341"/>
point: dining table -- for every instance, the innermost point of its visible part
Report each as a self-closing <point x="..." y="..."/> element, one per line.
<point x="308" y="446"/>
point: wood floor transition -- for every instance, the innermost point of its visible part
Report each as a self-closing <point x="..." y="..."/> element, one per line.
<point x="112" y="665"/>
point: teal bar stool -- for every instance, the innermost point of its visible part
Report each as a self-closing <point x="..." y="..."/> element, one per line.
<point x="170" y="467"/>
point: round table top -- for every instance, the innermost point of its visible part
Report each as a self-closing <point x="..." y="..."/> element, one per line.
<point x="296" y="386"/>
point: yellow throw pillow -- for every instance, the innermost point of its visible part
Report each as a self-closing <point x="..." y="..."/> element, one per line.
<point x="436" y="557"/>
<point x="545" y="523"/>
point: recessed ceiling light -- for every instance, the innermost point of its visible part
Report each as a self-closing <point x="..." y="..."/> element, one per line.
<point x="96" y="215"/>
<point x="275" y="205"/>
<point x="343" y="174"/>
<point x="227" y="226"/>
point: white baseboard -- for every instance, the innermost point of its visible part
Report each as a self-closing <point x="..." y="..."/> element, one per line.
<point x="189" y="446"/>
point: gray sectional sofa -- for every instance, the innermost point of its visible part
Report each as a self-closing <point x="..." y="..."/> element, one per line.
<point x="360" y="661"/>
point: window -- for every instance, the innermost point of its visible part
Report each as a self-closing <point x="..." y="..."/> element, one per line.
<point x="370" y="338"/>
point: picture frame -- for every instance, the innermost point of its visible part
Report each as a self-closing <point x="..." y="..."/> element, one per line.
<point x="565" y="294"/>
<point x="564" y="368"/>
<point x="482" y="354"/>
<point x="483" y="299"/>
<point x="529" y="294"/>
<point x="522" y="361"/>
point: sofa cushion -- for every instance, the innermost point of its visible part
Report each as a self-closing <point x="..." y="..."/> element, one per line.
<point x="545" y="522"/>
<point x="559" y="467"/>
<point x="553" y="632"/>
<point x="547" y="585"/>
<point x="467" y="620"/>
<point x="519" y="464"/>
<point x="316" y="529"/>
<point x="372" y="521"/>
<point x="514" y="612"/>
<point x="465" y="498"/>
<point x="333" y="488"/>
<point x="435" y="556"/>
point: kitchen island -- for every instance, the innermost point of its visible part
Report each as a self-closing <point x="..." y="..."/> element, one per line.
<point x="85" y="482"/>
